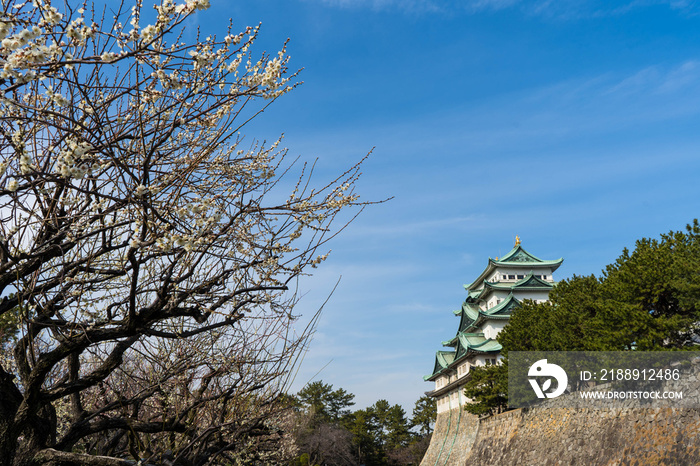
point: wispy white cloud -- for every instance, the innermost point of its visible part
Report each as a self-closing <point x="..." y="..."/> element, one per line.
<point x="478" y="5"/>
<point x="442" y="6"/>
<point x="574" y="9"/>
<point x="436" y="6"/>
<point x="555" y="9"/>
<point x="679" y="80"/>
<point x="417" y="227"/>
<point x="683" y="77"/>
<point x="594" y="105"/>
<point x="404" y="5"/>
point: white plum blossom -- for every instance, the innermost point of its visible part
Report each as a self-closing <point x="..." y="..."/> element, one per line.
<point x="70" y="161"/>
<point x="141" y="190"/>
<point x="4" y="29"/>
<point x="153" y="225"/>
<point x="149" y="32"/>
<point x="25" y="166"/>
<point x="57" y="98"/>
<point x="108" y="56"/>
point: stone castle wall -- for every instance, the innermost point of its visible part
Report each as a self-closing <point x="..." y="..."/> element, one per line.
<point x="568" y="436"/>
<point x="555" y="433"/>
<point x="454" y="434"/>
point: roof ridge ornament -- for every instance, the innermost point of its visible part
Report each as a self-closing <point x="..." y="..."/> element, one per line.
<point x="517" y="240"/>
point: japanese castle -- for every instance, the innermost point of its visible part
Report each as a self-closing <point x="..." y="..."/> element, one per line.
<point x="490" y="300"/>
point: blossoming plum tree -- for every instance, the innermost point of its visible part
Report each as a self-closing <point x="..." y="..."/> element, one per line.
<point x="148" y="253"/>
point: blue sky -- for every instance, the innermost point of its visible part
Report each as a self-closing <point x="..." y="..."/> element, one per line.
<point x="571" y="123"/>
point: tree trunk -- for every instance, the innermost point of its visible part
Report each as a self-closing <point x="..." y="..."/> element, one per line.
<point x="51" y="457"/>
<point x="10" y="399"/>
<point x="38" y="434"/>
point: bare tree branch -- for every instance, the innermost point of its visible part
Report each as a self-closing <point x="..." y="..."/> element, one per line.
<point x="146" y="247"/>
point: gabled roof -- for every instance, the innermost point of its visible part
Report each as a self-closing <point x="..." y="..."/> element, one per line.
<point x="465" y="344"/>
<point x="472" y="317"/>
<point x="473" y="294"/>
<point x="468" y="311"/>
<point x="518" y="257"/>
<point x="476" y="342"/>
<point x="530" y="282"/>
<point x="504" y="308"/>
<point x="443" y="359"/>
<point x="519" y="254"/>
<point x="501" y="311"/>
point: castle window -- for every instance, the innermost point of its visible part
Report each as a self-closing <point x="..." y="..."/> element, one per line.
<point x="520" y="277"/>
<point x="511" y="277"/>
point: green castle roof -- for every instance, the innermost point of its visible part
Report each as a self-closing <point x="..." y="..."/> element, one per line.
<point x="469" y="340"/>
<point x="472" y="316"/>
<point x="443" y="359"/>
<point x="517" y="257"/>
<point x="466" y="343"/>
<point x="530" y="282"/>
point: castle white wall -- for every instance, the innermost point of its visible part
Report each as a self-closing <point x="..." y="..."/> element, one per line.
<point x="452" y="400"/>
<point x="493" y="328"/>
